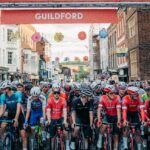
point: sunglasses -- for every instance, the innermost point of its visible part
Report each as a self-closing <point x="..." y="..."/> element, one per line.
<point x="111" y="93"/>
<point x="56" y="92"/>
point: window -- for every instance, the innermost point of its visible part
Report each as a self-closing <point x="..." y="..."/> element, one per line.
<point x="26" y="58"/>
<point x="131" y="26"/>
<point x="10" y="54"/>
<point x="9" y="35"/>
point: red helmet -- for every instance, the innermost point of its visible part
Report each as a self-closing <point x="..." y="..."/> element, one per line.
<point x="133" y="90"/>
<point x="67" y="88"/>
<point x="109" y="88"/>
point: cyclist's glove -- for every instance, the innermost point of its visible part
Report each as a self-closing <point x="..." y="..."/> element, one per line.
<point x="25" y="124"/>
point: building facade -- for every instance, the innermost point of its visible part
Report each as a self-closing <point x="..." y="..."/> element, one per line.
<point x="121" y="45"/>
<point x="112" y="47"/>
<point x="29" y="57"/>
<point x="9" y="52"/>
<point x="138" y="36"/>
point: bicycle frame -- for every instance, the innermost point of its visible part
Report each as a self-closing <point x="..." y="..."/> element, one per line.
<point x="59" y="138"/>
<point x="132" y="134"/>
<point x="108" y="136"/>
<point x="81" y="137"/>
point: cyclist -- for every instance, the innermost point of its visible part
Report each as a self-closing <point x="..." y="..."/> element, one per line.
<point x="57" y="114"/>
<point x="36" y="109"/>
<point x="131" y="105"/>
<point x="74" y="94"/>
<point x="146" y="96"/>
<point x="112" y="107"/>
<point x="11" y="107"/>
<point x="45" y="90"/>
<point x="82" y="114"/>
<point x="56" y="87"/>
<point x="20" y="87"/>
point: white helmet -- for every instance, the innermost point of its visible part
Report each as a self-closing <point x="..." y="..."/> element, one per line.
<point x="35" y="91"/>
<point x="6" y="84"/>
<point x="56" y="87"/>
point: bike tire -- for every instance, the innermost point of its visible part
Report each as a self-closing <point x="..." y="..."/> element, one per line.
<point x="8" y="142"/>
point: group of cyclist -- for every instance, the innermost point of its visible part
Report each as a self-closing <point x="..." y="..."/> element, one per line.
<point x="92" y="104"/>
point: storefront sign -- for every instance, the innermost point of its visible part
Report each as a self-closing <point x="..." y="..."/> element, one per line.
<point x="58" y="16"/>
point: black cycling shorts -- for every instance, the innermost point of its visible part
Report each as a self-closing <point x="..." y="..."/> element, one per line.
<point x="112" y="119"/>
<point x="133" y="117"/>
<point x="86" y="130"/>
<point x="21" y="120"/>
<point x="52" y="127"/>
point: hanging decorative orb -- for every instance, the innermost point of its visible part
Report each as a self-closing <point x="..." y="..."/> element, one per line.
<point x="57" y="59"/>
<point x="76" y="59"/>
<point x="85" y="58"/>
<point x="36" y="37"/>
<point x="103" y="33"/>
<point x="66" y="59"/>
<point x="82" y="35"/>
<point x="58" y="37"/>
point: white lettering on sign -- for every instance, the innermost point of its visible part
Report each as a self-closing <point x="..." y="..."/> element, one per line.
<point x="57" y="16"/>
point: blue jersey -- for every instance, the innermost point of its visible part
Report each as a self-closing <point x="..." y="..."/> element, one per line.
<point x="36" y="105"/>
<point x="11" y="101"/>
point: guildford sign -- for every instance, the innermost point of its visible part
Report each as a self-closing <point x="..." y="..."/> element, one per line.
<point x="58" y="16"/>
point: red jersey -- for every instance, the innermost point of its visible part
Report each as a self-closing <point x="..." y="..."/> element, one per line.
<point x="132" y="106"/>
<point x="110" y="106"/>
<point x="147" y="108"/>
<point x="56" y="108"/>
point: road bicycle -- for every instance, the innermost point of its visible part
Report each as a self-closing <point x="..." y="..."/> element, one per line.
<point x="81" y="138"/>
<point x="58" y="143"/>
<point x="107" y="138"/>
<point x="11" y="139"/>
<point x="35" y="140"/>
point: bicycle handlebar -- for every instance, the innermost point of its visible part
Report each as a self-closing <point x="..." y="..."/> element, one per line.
<point x="7" y="121"/>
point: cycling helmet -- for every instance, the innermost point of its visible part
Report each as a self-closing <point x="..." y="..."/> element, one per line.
<point x="86" y="92"/>
<point x="6" y="84"/>
<point x="109" y="88"/>
<point x="67" y="87"/>
<point x="147" y="89"/>
<point x="133" y="90"/>
<point x="141" y="91"/>
<point x="28" y="87"/>
<point x="76" y="86"/>
<point x="56" y="87"/>
<point x="35" y="91"/>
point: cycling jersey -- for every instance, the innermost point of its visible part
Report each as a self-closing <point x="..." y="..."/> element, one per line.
<point x="147" y="107"/>
<point x="56" y="108"/>
<point x="110" y="106"/>
<point x="82" y="111"/>
<point x="36" y="105"/>
<point x="11" y="101"/>
<point x="145" y="97"/>
<point x="132" y="106"/>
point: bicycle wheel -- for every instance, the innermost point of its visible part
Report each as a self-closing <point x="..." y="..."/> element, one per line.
<point x="8" y="142"/>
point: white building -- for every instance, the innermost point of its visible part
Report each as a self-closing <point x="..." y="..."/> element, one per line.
<point x="31" y="63"/>
<point x="9" y="49"/>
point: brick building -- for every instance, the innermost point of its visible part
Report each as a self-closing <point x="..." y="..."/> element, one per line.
<point x="121" y="44"/>
<point x="112" y="59"/>
<point x="138" y="38"/>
